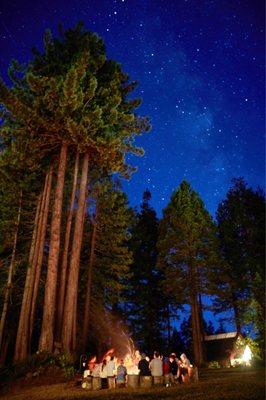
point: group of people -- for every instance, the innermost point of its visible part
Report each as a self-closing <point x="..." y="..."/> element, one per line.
<point x="173" y="369"/>
<point x="113" y="372"/>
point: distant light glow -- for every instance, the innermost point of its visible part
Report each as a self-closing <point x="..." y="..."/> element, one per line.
<point x="247" y="355"/>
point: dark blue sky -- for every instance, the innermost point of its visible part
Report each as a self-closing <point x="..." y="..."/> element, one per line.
<point x="200" y="67"/>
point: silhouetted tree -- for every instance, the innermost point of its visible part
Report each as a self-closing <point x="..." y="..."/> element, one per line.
<point x="186" y="250"/>
<point x="145" y="298"/>
<point x="241" y="279"/>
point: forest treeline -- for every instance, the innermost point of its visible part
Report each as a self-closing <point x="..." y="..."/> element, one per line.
<point x="80" y="268"/>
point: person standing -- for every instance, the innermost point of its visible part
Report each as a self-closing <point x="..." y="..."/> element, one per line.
<point x="110" y="365"/>
<point x="143" y="366"/>
<point x="121" y="374"/>
<point x="103" y="374"/>
<point x="156" y="367"/>
<point x="173" y="368"/>
<point x="184" y="367"/>
<point x="166" y="370"/>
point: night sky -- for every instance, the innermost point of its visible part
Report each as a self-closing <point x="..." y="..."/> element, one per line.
<point x="200" y="68"/>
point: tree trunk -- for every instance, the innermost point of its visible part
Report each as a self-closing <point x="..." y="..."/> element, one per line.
<point x="40" y="252"/>
<point x="72" y="283"/>
<point x="63" y="271"/>
<point x="168" y="326"/>
<point x="196" y="334"/>
<point x="202" y="330"/>
<point x="194" y="331"/>
<point x="10" y="274"/>
<point x="86" y="318"/>
<point x="46" y="342"/>
<point x="195" y="319"/>
<point x="22" y="342"/>
<point x="74" y="327"/>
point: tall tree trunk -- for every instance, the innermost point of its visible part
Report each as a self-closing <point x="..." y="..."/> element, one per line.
<point x="86" y="317"/>
<point x="74" y="327"/>
<point x="201" y="322"/>
<point x="39" y="252"/>
<point x="21" y="346"/>
<point x="195" y="320"/>
<point x="10" y="274"/>
<point x="63" y="270"/>
<point x="199" y="331"/>
<point x="196" y="334"/>
<point x="72" y="283"/>
<point x="75" y="318"/>
<point x="46" y="342"/>
<point x="22" y="340"/>
<point x="168" y="326"/>
<point x="194" y="331"/>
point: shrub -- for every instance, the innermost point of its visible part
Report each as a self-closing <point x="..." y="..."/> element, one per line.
<point x="214" y="365"/>
<point x="36" y="364"/>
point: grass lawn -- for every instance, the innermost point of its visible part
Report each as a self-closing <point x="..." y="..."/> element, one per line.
<point x="213" y="385"/>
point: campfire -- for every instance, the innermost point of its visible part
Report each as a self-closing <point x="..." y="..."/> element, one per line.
<point x="131" y="357"/>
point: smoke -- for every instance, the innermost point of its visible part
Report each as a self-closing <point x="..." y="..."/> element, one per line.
<point x="110" y="332"/>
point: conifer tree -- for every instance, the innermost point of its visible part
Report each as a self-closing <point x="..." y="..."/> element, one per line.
<point x="241" y="225"/>
<point x="109" y="255"/>
<point x="146" y="302"/>
<point x="71" y="99"/>
<point x="19" y="182"/>
<point x="186" y="250"/>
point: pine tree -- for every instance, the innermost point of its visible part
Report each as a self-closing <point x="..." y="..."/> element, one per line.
<point x="241" y="224"/>
<point x="109" y="255"/>
<point x="186" y="249"/>
<point x="145" y="303"/>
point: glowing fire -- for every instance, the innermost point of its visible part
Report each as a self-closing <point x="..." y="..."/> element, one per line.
<point x="131" y="358"/>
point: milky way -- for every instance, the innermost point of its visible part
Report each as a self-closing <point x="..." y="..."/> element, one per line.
<point x="200" y="68"/>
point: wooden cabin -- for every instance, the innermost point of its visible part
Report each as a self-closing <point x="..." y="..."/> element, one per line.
<point x="224" y="348"/>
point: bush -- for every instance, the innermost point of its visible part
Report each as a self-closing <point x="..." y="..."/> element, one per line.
<point x="65" y="361"/>
<point x="36" y="364"/>
<point x="214" y="365"/>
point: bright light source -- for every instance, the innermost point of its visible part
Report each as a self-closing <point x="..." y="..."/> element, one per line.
<point x="247" y="355"/>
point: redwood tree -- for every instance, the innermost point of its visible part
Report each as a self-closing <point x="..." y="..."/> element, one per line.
<point x="71" y="99"/>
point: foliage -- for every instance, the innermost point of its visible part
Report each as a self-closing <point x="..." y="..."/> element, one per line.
<point x="111" y="217"/>
<point x="187" y="237"/>
<point x="65" y="361"/>
<point x="214" y="365"/>
<point x="69" y="96"/>
<point x="241" y="279"/>
<point x="112" y="257"/>
<point x="187" y="247"/>
<point x="254" y="346"/>
<point x="37" y="364"/>
<point x="146" y="304"/>
<point x="72" y="93"/>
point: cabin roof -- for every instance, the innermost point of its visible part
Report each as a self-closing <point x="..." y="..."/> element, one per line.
<point x="219" y="336"/>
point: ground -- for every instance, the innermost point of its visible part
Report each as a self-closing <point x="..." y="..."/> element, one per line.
<point x="213" y="385"/>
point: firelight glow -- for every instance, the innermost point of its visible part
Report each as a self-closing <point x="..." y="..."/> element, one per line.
<point x="247" y="355"/>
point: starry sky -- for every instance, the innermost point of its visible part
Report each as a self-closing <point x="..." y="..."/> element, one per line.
<point x="200" y="68"/>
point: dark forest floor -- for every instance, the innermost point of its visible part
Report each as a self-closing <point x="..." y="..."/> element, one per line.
<point x="213" y="385"/>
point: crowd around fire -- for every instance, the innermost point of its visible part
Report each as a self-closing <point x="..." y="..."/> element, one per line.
<point x="114" y="372"/>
